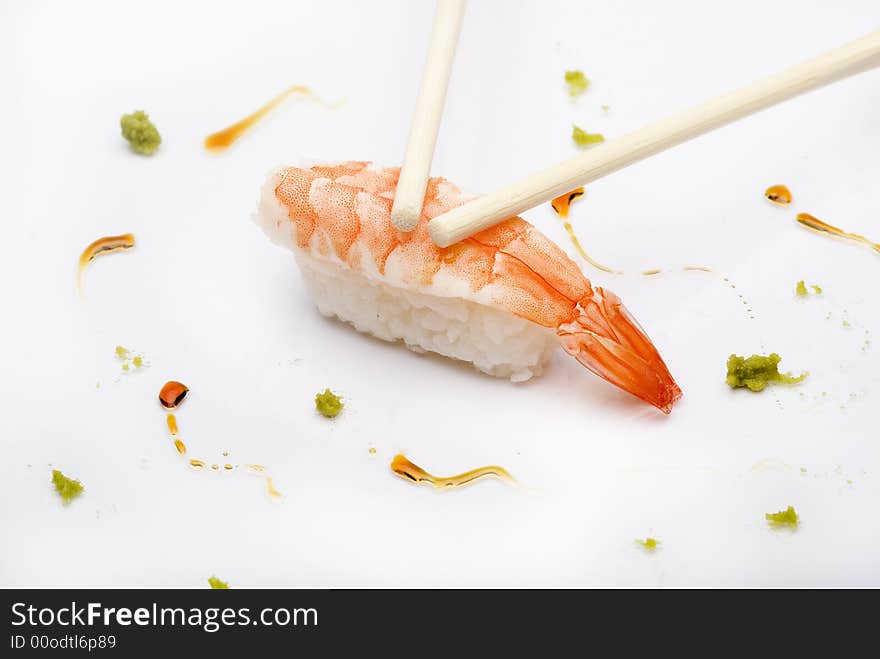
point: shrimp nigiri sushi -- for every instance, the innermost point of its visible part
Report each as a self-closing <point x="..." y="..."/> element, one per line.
<point x="503" y="300"/>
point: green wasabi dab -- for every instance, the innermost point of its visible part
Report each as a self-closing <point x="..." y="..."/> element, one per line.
<point x="648" y="543"/>
<point x="217" y="584"/>
<point x="140" y="133"/>
<point x="67" y="488"/>
<point x="756" y="371"/>
<point x="801" y="289"/>
<point x="583" y="138"/>
<point x="787" y="517"/>
<point x="577" y="83"/>
<point x="129" y="358"/>
<point x="328" y="403"/>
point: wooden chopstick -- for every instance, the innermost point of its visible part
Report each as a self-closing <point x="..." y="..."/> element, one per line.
<point x="486" y="211"/>
<point x="410" y="193"/>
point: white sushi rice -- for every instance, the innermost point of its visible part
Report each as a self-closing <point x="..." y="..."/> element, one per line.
<point x="493" y="340"/>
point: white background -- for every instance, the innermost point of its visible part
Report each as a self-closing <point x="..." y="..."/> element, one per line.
<point x="211" y="302"/>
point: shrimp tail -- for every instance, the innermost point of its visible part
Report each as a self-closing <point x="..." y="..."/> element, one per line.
<point x="606" y="339"/>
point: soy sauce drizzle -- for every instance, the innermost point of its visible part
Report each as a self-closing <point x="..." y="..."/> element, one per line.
<point x="270" y="488"/>
<point x="172" y="428"/>
<point x="562" y="205"/>
<point x="587" y="258"/>
<point x="223" y="139"/>
<point x="817" y="225"/>
<point x="778" y="194"/>
<point x="401" y="466"/>
<point x="171" y="396"/>
<point x="105" y="245"/>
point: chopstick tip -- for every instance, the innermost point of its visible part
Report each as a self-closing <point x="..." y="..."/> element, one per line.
<point x="404" y="218"/>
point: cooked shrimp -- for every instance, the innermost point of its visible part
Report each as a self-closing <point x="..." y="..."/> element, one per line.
<point x="341" y="215"/>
